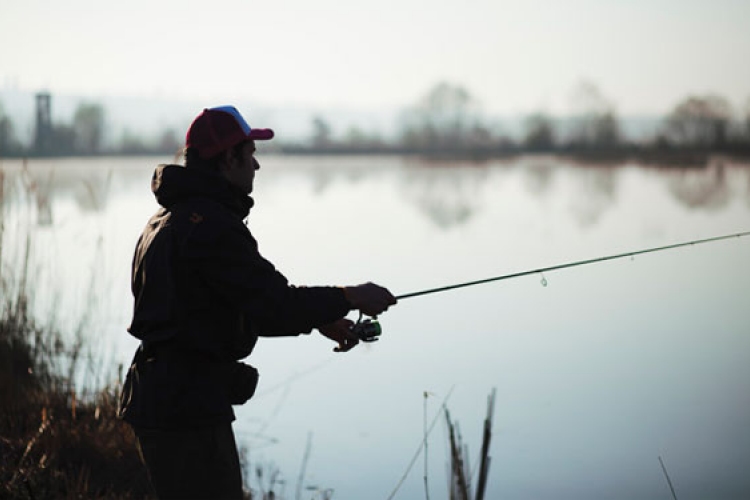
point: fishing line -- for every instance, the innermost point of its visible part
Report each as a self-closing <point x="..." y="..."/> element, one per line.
<point x="288" y="381"/>
<point x="542" y="270"/>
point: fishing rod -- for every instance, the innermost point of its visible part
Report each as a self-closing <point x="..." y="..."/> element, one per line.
<point x="368" y="330"/>
<point x="542" y="270"/>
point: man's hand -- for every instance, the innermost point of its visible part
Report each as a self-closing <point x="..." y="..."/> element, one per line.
<point x="340" y="331"/>
<point x="369" y="298"/>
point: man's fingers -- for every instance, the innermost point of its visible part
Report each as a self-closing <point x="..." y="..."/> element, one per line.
<point x="346" y="345"/>
<point x="370" y="298"/>
<point x="340" y="331"/>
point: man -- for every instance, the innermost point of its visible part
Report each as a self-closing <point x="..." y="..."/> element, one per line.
<point x="203" y="295"/>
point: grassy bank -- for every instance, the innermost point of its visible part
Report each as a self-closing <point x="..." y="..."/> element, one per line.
<point x="58" y="439"/>
<point x="59" y="435"/>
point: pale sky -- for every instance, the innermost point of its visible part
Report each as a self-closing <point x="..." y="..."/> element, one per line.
<point x="512" y="55"/>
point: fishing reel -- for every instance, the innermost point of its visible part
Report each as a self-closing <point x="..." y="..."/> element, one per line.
<point x="367" y="330"/>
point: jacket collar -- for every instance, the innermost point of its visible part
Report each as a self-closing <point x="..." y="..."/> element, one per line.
<point x="174" y="183"/>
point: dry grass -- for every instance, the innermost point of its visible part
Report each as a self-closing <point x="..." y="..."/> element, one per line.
<point x="59" y="435"/>
<point x="57" y="441"/>
<point x="459" y="486"/>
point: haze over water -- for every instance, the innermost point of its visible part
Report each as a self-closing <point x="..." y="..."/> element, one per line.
<point x="598" y="373"/>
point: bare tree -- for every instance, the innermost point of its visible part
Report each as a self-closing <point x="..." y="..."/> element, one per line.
<point x="8" y="143"/>
<point x="699" y="121"/>
<point x="321" y="135"/>
<point x="168" y="141"/>
<point x="540" y="132"/>
<point x="595" y="121"/>
<point x="88" y="127"/>
<point x="447" y="116"/>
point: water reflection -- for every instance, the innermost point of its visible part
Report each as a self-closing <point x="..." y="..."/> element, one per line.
<point x="447" y="196"/>
<point x="701" y="188"/>
<point x="39" y="187"/>
<point x="46" y="185"/>
<point x="539" y="176"/>
<point x="595" y="193"/>
<point x="92" y="193"/>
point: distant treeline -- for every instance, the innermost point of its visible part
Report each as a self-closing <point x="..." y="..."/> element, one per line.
<point x="446" y="121"/>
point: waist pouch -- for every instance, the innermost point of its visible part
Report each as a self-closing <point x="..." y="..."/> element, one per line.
<point x="237" y="380"/>
<point x="166" y="386"/>
<point x="242" y="380"/>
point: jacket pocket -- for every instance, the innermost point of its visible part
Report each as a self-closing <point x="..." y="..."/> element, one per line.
<point x="242" y="382"/>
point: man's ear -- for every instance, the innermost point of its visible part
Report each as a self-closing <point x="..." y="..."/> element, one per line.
<point x="226" y="160"/>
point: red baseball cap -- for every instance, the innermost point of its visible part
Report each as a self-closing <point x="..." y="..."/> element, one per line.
<point x="218" y="129"/>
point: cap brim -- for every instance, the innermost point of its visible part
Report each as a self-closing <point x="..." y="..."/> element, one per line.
<point x="260" y="134"/>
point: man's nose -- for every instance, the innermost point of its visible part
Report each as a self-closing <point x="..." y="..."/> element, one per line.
<point x="256" y="164"/>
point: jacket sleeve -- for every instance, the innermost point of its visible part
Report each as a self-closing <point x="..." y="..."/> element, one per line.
<point x="235" y="270"/>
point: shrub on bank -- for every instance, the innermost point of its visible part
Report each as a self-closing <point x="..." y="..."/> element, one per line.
<point x="55" y="441"/>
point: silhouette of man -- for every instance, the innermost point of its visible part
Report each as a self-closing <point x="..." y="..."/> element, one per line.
<point x="203" y="295"/>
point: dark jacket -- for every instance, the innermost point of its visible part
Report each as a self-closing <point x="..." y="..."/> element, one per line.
<point x="203" y="295"/>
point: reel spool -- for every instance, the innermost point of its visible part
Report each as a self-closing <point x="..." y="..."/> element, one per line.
<point x="367" y="330"/>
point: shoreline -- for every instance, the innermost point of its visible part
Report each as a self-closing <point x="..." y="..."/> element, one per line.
<point x="645" y="156"/>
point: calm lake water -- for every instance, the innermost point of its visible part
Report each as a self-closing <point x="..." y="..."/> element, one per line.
<point x="598" y="373"/>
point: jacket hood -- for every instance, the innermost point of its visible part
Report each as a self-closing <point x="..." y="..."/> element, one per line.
<point x="172" y="184"/>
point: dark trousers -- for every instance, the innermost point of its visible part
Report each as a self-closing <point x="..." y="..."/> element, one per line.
<point x="196" y="463"/>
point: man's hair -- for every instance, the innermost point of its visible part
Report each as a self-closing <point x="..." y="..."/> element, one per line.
<point x="193" y="158"/>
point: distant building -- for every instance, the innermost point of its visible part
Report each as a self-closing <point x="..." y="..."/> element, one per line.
<point x="43" y="129"/>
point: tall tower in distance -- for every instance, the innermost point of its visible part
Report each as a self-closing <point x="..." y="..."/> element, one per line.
<point x="43" y="131"/>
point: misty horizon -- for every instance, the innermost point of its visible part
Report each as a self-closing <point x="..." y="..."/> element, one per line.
<point x="150" y="115"/>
